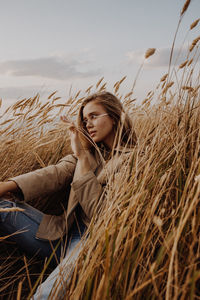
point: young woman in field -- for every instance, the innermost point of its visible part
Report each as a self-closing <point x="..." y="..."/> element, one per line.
<point x="103" y="131"/>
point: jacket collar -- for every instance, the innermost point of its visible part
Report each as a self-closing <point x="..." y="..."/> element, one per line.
<point x="101" y="155"/>
<point x="93" y="159"/>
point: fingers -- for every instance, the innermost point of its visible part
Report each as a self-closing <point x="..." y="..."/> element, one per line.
<point x="70" y="125"/>
<point x="65" y="119"/>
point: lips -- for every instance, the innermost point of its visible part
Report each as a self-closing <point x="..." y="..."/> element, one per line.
<point x="92" y="133"/>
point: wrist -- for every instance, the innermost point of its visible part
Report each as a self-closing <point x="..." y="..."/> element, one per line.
<point x="82" y="155"/>
<point x="10" y="186"/>
<point x="84" y="165"/>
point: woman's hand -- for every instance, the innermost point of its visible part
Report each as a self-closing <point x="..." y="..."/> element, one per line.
<point x="76" y="145"/>
<point x="6" y="187"/>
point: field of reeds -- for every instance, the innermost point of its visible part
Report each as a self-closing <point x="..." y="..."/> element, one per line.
<point x="146" y="243"/>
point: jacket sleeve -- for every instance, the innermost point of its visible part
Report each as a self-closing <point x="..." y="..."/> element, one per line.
<point x="47" y="180"/>
<point x="89" y="193"/>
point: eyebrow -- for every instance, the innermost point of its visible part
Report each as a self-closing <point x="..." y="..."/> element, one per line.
<point x="91" y="113"/>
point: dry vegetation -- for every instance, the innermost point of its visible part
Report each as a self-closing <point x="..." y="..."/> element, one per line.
<point x="146" y="243"/>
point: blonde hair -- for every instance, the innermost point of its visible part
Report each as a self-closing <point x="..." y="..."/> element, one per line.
<point x="123" y="127"/>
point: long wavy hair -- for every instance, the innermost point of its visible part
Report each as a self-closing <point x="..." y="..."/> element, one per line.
<point x="124" y="132"/>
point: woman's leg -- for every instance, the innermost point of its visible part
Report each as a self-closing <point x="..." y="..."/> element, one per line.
<point x="55" y="285"/>
<point x="22" y="226"/>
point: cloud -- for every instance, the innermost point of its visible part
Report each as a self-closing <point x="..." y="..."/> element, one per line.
<point x="159" y="59"/>
<point x="12" y="92"/>
<point x="53" y="67"/>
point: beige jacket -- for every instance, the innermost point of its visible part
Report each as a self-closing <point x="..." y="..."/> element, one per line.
<point x="87" y="190"/>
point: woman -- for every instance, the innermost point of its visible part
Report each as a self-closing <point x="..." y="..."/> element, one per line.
<point x="103" y="129"/>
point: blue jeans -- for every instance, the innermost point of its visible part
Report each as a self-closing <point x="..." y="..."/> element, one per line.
<point x="54" y="287"/>
<point x="23" y="225"/>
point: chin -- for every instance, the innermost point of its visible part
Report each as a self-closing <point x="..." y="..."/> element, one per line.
<point x="96" y="140"/>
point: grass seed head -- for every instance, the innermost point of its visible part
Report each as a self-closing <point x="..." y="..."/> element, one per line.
<point x="185" y="6"/>
<point x="183" y="64"/>
<point x="195" y="41"/>
<point x="149" y="52"/>
<point x="190" y="61"/>
<point x="187" y="88"/>
<point x="194" y="24"/>
<point x="99" y="82"/>
<point x="164" y="77"/>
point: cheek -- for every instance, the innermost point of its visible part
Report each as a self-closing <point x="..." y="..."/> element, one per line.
<point x="103" y="124"/>
<point x="107" y="126"/>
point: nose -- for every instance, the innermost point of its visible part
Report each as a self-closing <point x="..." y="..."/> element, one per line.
<point x="89" y="124"/>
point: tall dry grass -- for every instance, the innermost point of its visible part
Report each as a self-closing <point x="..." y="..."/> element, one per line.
<point x="145" y="244"/>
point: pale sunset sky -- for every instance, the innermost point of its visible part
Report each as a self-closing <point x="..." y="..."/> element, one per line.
<point x="49" y="45"/>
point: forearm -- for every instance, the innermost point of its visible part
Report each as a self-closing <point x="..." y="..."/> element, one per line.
<point x="84" y="165"/>
<point x="46" y="181"/>
<point x="8" y="186"/>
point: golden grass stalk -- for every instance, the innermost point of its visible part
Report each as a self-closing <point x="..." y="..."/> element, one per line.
<point x="183" y="64"/>
<point x="168" y="85"/>
<point x="163" y="78"/>
<point x="149" y="52"/>
<point x="11" y="209"/>
<point x="195" y="41"/>
<point x="190" y="61"/>
<point x="194" y="24"/>
<point x="187" y="88"/>
<point x="19" y="291"/>
<point x="185" y="7"/>
<point x="99" y="82"/>
<point x="89" y="89"/>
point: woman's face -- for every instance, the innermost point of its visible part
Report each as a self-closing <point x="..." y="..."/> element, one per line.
<point x="98" y="123"/>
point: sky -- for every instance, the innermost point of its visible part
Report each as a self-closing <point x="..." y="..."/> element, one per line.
<point x="68" y="45"/>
